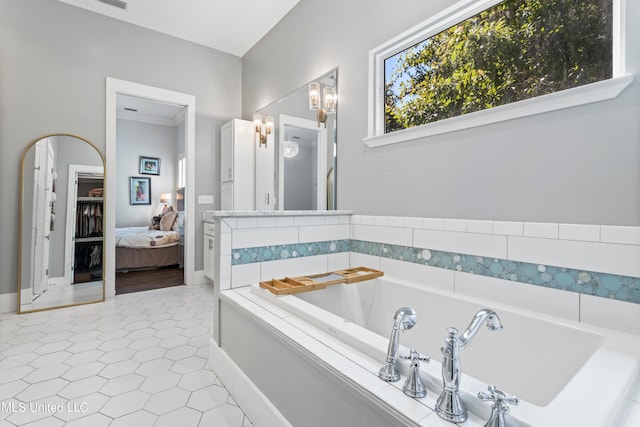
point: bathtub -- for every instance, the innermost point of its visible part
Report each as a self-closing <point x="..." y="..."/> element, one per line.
<point x="564" y="373"/>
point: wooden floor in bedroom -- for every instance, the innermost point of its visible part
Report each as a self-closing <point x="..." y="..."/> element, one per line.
<point x="136" y="281"/>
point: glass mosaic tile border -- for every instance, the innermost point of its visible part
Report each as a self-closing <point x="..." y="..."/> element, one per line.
<point x="622" y="288"/>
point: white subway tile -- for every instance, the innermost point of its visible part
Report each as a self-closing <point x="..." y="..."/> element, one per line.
<point x="332" y="220"/>
<point x="317" y="220"/>
<point x="599" y="257"/>
<point x="508" y="228"/>
<point x="267" y="221"/>
<point x="345" y="219"/>
<point x="397" y="221"/>
<point x="247" y="222"/>
<point x="225" y="227"/>
<point x="292" y="267"/>
<point x="477" y="226"/>
<point x="250" y="238"/>
<point x="587" y="233"/>
<point x="364" y="260"/>
<point x="609" y="313"/>
<point x="356" y="219"/>
<point x="620" y="234"/>
<point x="321" y="233"/>
<point x="537" y="298"/>
<point x="381" y="221"/>
<point x="284" y="221"/>
<point x="366" y="219"/>
<point x="433" y="223"/>
<point x="245" y="274"/>
<point x="465" y="243"/>
<point x="230" y="222"/>
<point x="440" y="278"/>
<point x="225" y="284"/>
<point x="225" y="267"/>
<point x="301" y="220"/>
<point x="412" y="222"/>
<point x="455" y="224"/>
<point x="391" y="235"/>
<point x="225" y="243"/>
<point x="541" y="229"/>
<point x="339" y="261"/>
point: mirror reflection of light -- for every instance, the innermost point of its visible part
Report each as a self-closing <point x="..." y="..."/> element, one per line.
<point x="290" y="149"/>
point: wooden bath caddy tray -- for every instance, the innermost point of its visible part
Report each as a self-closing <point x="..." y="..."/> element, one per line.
<point x="293" y="285"/>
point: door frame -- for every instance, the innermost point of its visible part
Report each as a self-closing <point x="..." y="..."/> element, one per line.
<point x="71" y="209"/>
<point x="115" y="87"/>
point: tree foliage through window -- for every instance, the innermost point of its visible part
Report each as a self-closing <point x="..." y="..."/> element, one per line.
<point x="515" y="50"/>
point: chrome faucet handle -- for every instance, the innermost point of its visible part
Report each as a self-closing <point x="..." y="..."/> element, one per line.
<point x="413" y="386"/>
<point x="500" y="406"/>
<point x="414" y="356"/>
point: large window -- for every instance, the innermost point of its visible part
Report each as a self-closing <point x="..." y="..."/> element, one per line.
<point x="481" y="54"/>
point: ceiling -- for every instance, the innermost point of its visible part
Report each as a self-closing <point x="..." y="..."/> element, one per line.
<point x="231" y="26"/>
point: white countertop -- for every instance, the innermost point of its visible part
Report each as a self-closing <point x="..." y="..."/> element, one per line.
<point x="211" y="216"/>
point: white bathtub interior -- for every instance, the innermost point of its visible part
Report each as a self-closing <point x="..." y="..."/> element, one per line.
<point x="533" y="359"/>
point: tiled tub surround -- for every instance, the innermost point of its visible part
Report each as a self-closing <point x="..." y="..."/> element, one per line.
<point x="259" y="247"/>
<point x="585" y="273"/>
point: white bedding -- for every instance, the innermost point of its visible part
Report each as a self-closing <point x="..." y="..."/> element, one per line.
<point x="142" y="237"/>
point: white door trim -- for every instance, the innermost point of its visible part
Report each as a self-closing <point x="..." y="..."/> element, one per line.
<point x="113" y="88"/>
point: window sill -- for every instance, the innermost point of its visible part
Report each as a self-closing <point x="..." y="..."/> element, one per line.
<point x="594" y="92"/>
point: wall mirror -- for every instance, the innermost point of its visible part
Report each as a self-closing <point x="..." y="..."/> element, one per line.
<point x="300" y="165"/>
<point x="61" y="224"/>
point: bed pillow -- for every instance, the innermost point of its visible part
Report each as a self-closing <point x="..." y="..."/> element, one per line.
<point x="166" y="223"/>
<point x="179" y="221"/>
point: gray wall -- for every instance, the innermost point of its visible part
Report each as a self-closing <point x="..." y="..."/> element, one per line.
<point x="54" y="59"/>
<point x="135" y="139"/>
<point x="578" y="165"/>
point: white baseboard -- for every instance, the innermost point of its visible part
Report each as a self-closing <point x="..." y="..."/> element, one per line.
<point x="253" y="402"/>
<point x="200" y="278"/>
<point x="9" y="303"/>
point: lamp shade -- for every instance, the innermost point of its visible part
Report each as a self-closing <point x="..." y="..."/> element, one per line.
<point x="165" y="198"/>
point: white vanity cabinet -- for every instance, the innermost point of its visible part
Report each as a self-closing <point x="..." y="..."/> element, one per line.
<point x="237" y="166"/>
<point x="209" y="249"/>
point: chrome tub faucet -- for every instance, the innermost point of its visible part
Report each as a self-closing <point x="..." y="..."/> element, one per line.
<point x="449" y="406"/>
<point x="405" y="318"/>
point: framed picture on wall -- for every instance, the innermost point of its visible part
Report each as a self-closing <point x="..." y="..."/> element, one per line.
<point x="149" y="165"/>
<point x="139" y="190"/>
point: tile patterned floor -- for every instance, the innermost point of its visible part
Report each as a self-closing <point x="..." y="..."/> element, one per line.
<point x="135" y="360"/>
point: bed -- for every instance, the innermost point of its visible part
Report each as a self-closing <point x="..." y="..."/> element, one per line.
<point x="139" y="248"/>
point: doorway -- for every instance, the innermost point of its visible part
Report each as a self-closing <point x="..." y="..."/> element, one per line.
<point x="114" y="89"/>
<point x="302" y="183"/>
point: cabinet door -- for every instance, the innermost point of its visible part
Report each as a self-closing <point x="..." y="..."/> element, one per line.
<point x="226" y="196"/>
<point x="226" y="153"/>
<point x="265" y="176"/>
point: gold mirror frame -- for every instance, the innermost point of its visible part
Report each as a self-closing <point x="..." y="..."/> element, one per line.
<point x="99" y="163"/>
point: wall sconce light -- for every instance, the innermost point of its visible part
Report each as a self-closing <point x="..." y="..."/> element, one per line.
<point x="262" y="129"/>
<point x="316" y="102"/>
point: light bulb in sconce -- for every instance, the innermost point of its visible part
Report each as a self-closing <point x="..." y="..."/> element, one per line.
<point x="262" y="129"/>
<point x="329" y="94"/>
<point x="328" y="101"/>
<point x="314" y="96"/>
